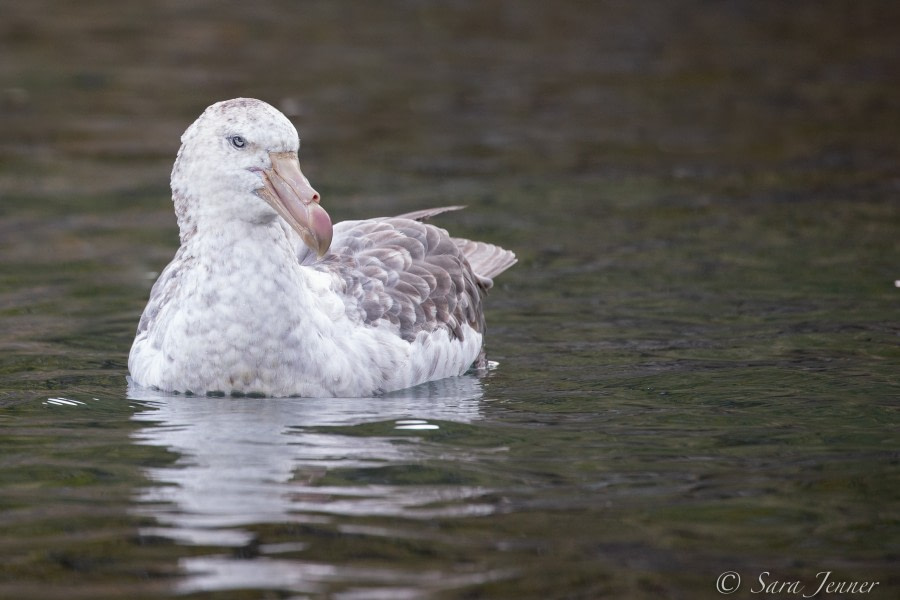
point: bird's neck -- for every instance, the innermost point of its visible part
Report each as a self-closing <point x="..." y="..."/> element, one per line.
<point x="231" y="247"/>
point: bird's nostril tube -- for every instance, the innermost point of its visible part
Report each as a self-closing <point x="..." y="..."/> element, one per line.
<point x="315" y="197"/>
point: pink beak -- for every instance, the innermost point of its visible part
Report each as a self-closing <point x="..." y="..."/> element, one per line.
<point x="288" y="191"/>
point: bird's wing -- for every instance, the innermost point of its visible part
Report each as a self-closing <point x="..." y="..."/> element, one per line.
<point x="165" y="289"/>
<point x="409" y="273"/>
<point x="427" y="213"/>
<point x="486" y="260"/>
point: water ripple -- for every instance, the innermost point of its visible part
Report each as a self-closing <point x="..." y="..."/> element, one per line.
<point x="243" y="463"/>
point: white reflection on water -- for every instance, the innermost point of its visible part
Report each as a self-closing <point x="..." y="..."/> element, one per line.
<point x="247" y="461"/>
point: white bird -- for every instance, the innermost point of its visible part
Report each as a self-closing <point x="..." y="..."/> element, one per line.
<point x="264" y="297"/>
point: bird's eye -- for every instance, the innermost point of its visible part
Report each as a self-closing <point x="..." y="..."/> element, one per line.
<point x="237" y="141"/>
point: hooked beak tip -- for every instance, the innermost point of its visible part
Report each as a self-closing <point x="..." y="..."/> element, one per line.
<point x="288" y="191"/>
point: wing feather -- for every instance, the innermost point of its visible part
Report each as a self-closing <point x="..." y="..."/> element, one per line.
<point x="402" y="271"/>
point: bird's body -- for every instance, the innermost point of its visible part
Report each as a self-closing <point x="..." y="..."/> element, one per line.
<point x="264" y="297"/>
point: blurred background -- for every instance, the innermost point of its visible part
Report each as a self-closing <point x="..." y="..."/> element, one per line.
<point x="410" y="103"/>
<point x="705" y="200"/>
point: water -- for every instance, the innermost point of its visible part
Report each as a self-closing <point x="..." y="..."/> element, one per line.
<point x="698" y="351"/>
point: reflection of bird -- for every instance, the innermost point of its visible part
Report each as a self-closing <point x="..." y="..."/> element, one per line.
<point x="263" y="297"/>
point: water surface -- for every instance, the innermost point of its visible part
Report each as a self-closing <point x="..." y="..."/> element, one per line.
<point x="697" y="352"/>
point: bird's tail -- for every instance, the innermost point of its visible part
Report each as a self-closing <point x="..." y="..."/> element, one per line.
<point x="487" y="260"/>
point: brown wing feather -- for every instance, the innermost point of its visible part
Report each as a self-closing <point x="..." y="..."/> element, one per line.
<point x="427" y="213"/>
<point x="486" y="260"/>
<point x="405" y="272"/>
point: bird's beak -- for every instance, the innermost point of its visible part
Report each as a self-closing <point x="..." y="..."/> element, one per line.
<point x="288" y="191"/>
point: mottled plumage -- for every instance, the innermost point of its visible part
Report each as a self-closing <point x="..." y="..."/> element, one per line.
<point x="263" y="296"/>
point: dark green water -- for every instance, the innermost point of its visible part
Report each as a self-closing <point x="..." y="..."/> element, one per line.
<point x="699" y="351"/>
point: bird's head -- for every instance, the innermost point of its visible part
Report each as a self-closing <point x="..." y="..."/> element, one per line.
<point x="239" y="160"/>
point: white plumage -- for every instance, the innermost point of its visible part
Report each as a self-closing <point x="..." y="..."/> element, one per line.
<point x="265" y="297"/>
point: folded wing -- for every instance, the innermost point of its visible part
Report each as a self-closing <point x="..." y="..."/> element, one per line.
<point x="413" y="275"/>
